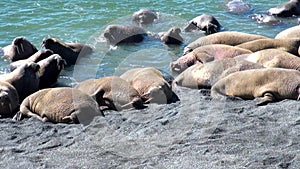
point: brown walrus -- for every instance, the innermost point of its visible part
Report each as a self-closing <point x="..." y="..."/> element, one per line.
<point x="274" y="58"/>
<point x="19" y="49"/>
<point x="293" y="32"/>
<point x="150" y="84"/>
<point x="24" y="78"/>
<point x="268" y="85"/>
<point x="40" y="55"/>
<point x="59" y="105"/>
<point x="228" y="38"/>
<point x="172" y="36"/>
<point x="205" y="75"/>
<point x="117" y="34"/>
<point x="144" y="17"/>
<point x="289" y="45"/>
<point x="112" y="93"/>
<point x="207" y="23"/>
<point x="9" y="100"/>
<point x="68" y="51"/>
<point x="50" y="69"/>
<point x="205" y="54"/>
<point x="287" y="9"/>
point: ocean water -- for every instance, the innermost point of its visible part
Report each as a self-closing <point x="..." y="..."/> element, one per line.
<point x="84" y="22"/>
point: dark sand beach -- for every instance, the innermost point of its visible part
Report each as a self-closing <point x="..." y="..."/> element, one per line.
<point x="195" y="132"/>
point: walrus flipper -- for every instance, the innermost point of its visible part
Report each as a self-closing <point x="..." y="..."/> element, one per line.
<point x="267" y="98"/>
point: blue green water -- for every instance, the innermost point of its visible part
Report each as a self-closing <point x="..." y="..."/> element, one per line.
<point x="84" y="21"/>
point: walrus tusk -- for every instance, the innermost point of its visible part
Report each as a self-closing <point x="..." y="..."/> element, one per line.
<point x="127" y="104"/>
<point x="298" y="98"/>
<point x="22" y="47"/>
<point x="148" y="101"/>
<point x="18" y="50"/>
<point x="10" y="107"/>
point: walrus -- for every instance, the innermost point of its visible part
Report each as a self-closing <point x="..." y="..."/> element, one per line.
<point x="24" y="78"/>
<point x="68" y="51"/>
<point x="203" y="76"/>
<point x="112" y="93"/>
<point x="172" y="36"/>
<point x="9" y="100"/>
<point x="144" y="17"/>
<point x="19" y="49"/>
<point x="293" y="32"/>
<point x="274" y="58"/>
<point x="205" y="22"/>
<point x="59" y="105"/>
<point x="288" y="9"/>
<point x="205" y="54"/>
<point x="150" y="84"/>
<point x="237" y="7"/>
<point x="289" y="45"/>
<point x="49" y="71"/>
<point x="267" y="85"/>
<point x="38" y="56"/>
<point x="266" y="19"/>
<point x="228" y="38"/>
<point x="118" y="34"/>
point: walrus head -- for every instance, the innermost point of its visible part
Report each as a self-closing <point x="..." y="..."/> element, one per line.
<point x="23" y="47"/>
<point x="172" y="36"/>
<point x="144" y="16"/>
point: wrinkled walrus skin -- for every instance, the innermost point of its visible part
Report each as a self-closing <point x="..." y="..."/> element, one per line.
<point x="201" y="76"/>
<point x="59" y="105"/>
<point x="268" y="85"/>
<point x="112" y="93"/>
<point x="150" y="84"/>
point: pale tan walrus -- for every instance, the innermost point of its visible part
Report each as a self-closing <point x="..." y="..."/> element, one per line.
<point x="268" y="85"/>
<point x="274" y="58"/>
<point x="288" y="45"/>
<point x="201" y="76"/>
<point x="150" y="84"/>
<point x="59" y="105"/>
<point x="9" y="100"/>
<point x="228" y="38"/>
<point x="206" y="54"/>
<point x="112" y="93"/>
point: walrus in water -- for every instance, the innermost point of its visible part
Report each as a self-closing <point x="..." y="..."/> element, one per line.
<point x="112" y="93"/>
<point x="274" y="58"/>
<point x="288" y="45"/>
<point x="268" y="85"/>
<point x="19" y="49"/>
<point x="201" y="76"/>
<point x="228" y="38"/>
<point x="38" y="56"/>
<point x="172" y="36"/>
<point x="150" y="84"/>
<point x="117" y="34"/>
<point x="205" y="54"/>
<point x="24" y="78"/>
<point x="68" y="51"/>
<point x="9" y="100"/>
<point x="144" y="17"/>
<point x="288" y="9"/>
<point x="50" y="69"/>
<point x="207" y="23"/>
<point x="59" y="105"/>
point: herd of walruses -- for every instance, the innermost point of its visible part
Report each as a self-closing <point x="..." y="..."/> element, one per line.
<point x="233" y="64"/>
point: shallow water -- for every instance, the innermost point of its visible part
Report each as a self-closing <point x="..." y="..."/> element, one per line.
<point x="84" y="21"/>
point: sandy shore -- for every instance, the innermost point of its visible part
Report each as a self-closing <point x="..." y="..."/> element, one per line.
<point x="195" y="132"/>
